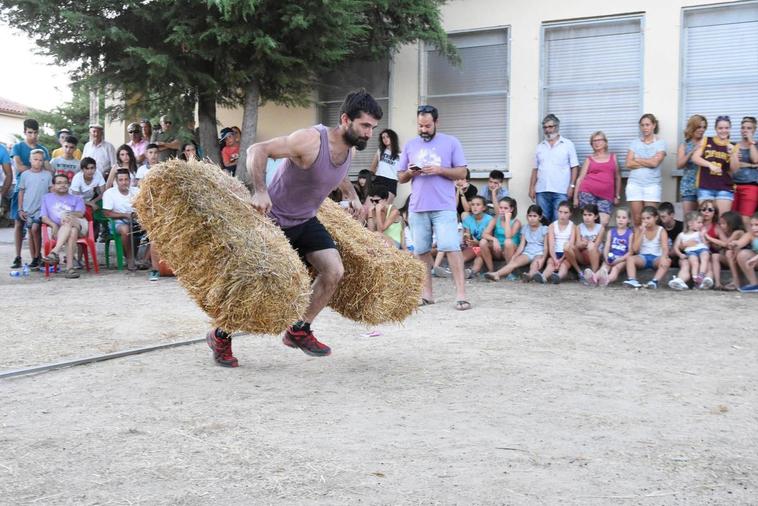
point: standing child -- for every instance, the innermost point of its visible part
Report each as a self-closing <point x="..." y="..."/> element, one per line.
<point x="33" y="184"/>
<point x="474" y="226"/>
<point x="730" y="229"/>
<point x="587" y="246"/>
<point x="503" y="234"/>
<point x="531" y="250"/>
<point x="561" y="233"/>
<point x="748" y="258"/>
<point x="651" y="245"/>
<point x="618" y="246"/>
<point x="693" y="253"/>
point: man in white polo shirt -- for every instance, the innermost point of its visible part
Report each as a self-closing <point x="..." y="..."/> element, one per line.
<point x="555" y="169"/>
<point x="100" y="150"/>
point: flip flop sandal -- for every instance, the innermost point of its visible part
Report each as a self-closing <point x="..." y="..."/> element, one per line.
<point x="72" y="274"/>
<point x="462" y="305"/>
<point x="425" y="302"/>
<point x="51" y="258"/>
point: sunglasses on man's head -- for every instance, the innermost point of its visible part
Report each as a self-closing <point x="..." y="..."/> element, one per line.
<point x="427" y="109"/>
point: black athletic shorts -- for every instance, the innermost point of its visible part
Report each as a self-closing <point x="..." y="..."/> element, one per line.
<point x="308" y="237"/>
<point x="391" y="184"/>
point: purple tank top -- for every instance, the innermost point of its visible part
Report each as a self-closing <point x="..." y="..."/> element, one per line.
<point x="620" y="243"/>
<point x="297" y="193"/>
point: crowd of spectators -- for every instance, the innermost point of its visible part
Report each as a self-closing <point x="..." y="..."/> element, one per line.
<point x="719" y="200"/>
<point x="71" y="191"/>
<point x="446" y="217"/>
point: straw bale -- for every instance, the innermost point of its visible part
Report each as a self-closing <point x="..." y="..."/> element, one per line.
<point x="234" y="262"/>
<point x="381" y="284"/>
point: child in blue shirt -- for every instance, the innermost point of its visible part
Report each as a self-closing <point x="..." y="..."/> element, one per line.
<point x="474" y="226"/>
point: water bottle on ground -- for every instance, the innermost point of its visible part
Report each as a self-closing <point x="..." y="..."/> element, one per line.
<point x="15" y="274"/>
<point x="25" y="270"/>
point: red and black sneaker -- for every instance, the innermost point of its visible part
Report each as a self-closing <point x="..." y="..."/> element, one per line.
<point x="222" y="349"/>
<point x="306" y="341"/>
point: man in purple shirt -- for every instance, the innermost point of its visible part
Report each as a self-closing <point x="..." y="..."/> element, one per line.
<point x="64" y="214"/>
<point x="316" y="161"/>
<point x="432" y="162"/>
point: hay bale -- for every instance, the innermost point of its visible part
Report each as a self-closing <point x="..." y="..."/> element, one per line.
<point x="381" y="284"/>
<point x="234" y="262"/>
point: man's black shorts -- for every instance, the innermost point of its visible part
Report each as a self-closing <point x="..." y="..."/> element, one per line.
<point x="308" y="237"/>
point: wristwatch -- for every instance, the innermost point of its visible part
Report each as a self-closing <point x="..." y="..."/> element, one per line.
<point x="573" y="186"/>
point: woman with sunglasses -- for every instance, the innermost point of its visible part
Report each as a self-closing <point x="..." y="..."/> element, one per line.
<point x="383" y="166"/>
<point x="713" y="156"/>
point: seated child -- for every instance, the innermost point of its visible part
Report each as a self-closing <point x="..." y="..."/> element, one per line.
<point x="531" y="250"/>
<point x="617" y="249"/>
<point x="503" y="234"/>
<point x="383" y="218"/>
<point x="588" y="245"/>
<point x="562" y="233"/>
<point x="730" y="228"/>
<point x="693" y="253"/>
<point x="652" y="248"/>
<point x="748" y="258"/>
<point x="474" y="226"/>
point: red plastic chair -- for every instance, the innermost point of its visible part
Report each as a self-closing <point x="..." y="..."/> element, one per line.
<point x="88" y="242"/>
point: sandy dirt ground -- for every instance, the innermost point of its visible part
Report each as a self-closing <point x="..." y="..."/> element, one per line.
<point x="538" y="395"/>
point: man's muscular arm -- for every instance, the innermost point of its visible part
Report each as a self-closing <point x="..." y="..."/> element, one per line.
<point x="300" y="146"/>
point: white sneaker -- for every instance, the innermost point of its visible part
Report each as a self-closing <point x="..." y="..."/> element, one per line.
<point x="678" y="284"/>
<point x="707" y="283"/>
<point x="633" y="283"/>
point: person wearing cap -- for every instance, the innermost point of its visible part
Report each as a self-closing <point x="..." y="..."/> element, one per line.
<point x="166" y="139"/>
<point x="63" y="133"/>
<point x="100" y="150"/>
<point x="230" y="151"/>
<point x="137" y="142"/>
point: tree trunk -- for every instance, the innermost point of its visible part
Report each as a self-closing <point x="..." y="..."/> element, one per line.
<point x="249" y="130"/>
<point x="206" y="113"/>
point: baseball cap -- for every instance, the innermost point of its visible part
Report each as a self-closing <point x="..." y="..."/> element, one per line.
<point x="133" y="127"/>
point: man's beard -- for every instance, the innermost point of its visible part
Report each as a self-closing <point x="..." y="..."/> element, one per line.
<point x="428" y="136"/>
<point x="552" y="136"/>
<point x="354" y="140"/>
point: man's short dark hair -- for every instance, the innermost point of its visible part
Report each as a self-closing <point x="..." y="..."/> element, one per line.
<point x="553" y="118"/>
<point x="123" y="172"/>
<point x="152" y="145"/>
<point x="497" y="174"/>
<point x="87" y="160"/>
<point x="71" y="140"/>
<point x="359" y="101"/>
<point x="666" y="207"/>
<point x="380" y="191"/>
<point x="64" y="176"/>
<point x="428" y="109"/>
<point x="31" y="124"/>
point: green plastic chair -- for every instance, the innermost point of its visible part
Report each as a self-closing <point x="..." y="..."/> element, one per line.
<point x="116" y="238"/>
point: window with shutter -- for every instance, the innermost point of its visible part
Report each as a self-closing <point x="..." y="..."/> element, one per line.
<point x="472" y="98"/>
<point x="720" y="64"/>
<point x="374" y="76"/>
<point x="592" y="80"/>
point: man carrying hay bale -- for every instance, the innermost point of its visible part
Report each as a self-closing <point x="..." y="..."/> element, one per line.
<point x="317" y="160"/>
<point x="433" y="161"/>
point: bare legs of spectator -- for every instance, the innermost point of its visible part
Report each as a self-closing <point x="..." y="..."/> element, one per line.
<point x="743" y="257"/>
<point x="18" y="235"/>
<point x="485" y="253"/>
<point x="124" y="231"/>
<point x="455" y="261"/>
<point x="68" y="233"/>
<point x="35" y="239"/>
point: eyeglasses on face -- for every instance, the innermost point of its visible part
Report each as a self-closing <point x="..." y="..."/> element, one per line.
<point x="707" y="209"/>
<point x="547" y="127"/>
<point x="375" y="201"/>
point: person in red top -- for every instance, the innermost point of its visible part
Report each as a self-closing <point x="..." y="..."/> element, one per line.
<point x="599" y="181"/>
<point x="230" y="152"/>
